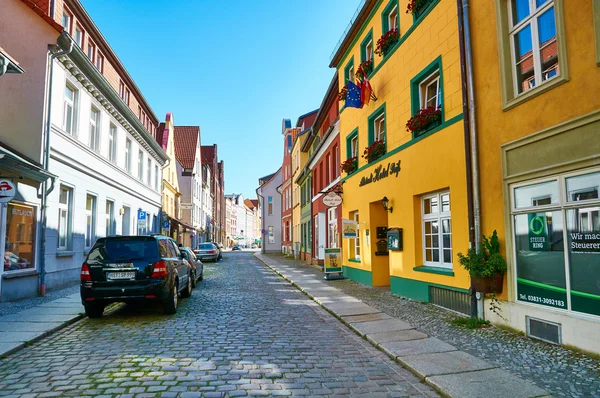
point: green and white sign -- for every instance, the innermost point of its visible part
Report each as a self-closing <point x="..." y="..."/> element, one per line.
<point x="538" y="232"/>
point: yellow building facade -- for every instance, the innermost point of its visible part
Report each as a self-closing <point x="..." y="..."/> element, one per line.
<point x="537" y="88"/>
<point x="422" y="175"/>
<point x="171" y="197"/>
<point x="299" y="159"/>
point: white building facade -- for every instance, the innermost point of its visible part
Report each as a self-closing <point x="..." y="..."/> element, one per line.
<point x="270" y="208"/>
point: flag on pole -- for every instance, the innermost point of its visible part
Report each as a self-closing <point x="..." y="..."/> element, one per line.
<point x="366" y="92"/>
<point x="353" y="96"/>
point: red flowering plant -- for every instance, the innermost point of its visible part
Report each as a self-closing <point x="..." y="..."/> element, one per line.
<point x="424" y="119"/>
<point x="374" y="151"/>
<point x="414" y="6"/>
<point x="364" y="69"/>
<point x="343" y="92"/>
<point x="350" y="165"/>
<point x="386" y="42"/>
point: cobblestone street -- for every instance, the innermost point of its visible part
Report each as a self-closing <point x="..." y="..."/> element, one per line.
<point x="244" y="332"/>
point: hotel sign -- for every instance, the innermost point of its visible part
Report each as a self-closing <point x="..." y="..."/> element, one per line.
<point x="392" y="169"/>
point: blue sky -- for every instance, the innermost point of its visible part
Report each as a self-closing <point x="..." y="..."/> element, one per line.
<point x="235" y="68"/>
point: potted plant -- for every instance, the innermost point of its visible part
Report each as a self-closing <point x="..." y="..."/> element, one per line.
<point x="416" y="6"/>
<point x="386" y="42"/>
<point x="364" y="69"/>
<point x="424" y="120"/>
<point x="343" y="92"/>
<point x="374" y="151"/>
<point x="487" y="268"/>
<point x="350" y="165"/>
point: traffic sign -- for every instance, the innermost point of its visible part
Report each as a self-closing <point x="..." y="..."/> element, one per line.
<point x="8" y="190"/>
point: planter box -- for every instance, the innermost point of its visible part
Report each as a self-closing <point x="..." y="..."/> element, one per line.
<point x="492" y="284"/>
<point x="427" y="128"/>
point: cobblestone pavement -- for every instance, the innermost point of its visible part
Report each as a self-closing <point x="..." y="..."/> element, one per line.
<point x="12" y="307"/>
<point x="244" y="332"/>
<point x="558" y="370"/>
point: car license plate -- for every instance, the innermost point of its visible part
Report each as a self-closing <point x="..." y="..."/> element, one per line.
<point x="120" y="275"/>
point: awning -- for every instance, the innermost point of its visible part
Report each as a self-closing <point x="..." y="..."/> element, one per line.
<point x="186" y="226"/>
<point x="13" y="163"/>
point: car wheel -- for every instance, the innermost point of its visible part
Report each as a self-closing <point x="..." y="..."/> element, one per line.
<point x="170" y="303"/>
<point x="94" y="310"/>
<point x="187" y="291"/>
<point x="201" y="275"/>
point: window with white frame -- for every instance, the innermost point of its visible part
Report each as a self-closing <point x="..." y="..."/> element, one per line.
<point x="67" y="19"/>
<point x="141" y="165"/>
<point x="94" y="138"/>
<point x="65" y="201"/>
<point x="393" y="18"/>
<point x="112" y="143"/>
<point x="149" y="172"/>
<point x="356" y="241"/>
<point x="354" y="147"/>
<point x="90" y="220"/>
<point x="270" y="206"/>
<point x="128" y="155"/>
<point x="91" y="51"/>
<point x="78" y="36"/>
<point x="110" y="218"/>
<point x="437" y="230"/>
<point x="369" y="51"/>
<point x="156" y="178"/>
<point x="70" y="109"/>
<point x="532" y="31"/>
<point x="430" y="91"/>
<point x="333" y="227"/>
<point x="99" y="62"/>
<point x="379" y="128"/>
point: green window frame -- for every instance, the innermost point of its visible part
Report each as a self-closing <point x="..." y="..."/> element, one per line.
<point x="425" y="76"/>
<point x="385" y="20"/>
<point x="363" y="48"/>
<point x="349" y="138"/>
<point x="596" y="6"/>
<point x="425" y="9"/>
<point x="373" y="117"/>
<point x="349" y="65"/>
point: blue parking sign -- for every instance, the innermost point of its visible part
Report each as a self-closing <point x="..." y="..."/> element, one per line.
<point x="141" y="215"/>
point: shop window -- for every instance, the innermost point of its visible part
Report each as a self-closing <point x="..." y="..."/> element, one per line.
<point x="110" y="218"/>
<point x="65" y="217"/>
<point x="70" y="109"/>
<point x="94" y="138"/>
<point x="19" y="250"/>
<point x="532" y="47"/>
<point x="437" y="230"/>
<point x="333" y="227"/>
<point x="90" y="220"/>
<point x="545" y="276"/>
<point x="389" y="17"/>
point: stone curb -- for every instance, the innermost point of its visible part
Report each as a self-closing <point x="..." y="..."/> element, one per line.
<point x="431" y="380"/>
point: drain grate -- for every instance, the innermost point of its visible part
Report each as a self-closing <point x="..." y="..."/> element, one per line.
<point x="451" y="299"/>
<point x="544" y="330"/>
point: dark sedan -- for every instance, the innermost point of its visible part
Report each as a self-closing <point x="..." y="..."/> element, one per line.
<point x="208" y="252"/>
<point x="197" y="266"/>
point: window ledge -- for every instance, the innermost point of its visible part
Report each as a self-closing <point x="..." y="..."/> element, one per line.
<point x="534" y="92"/>
<point x="18" y="274"/>
<point x="354" y="260"/>
<point x="65" y="253"/>
<point x="434" y="270"/>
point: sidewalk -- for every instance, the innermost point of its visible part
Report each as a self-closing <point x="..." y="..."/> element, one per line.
<point x="21" y="327"/>
<point x="395" y="325"/>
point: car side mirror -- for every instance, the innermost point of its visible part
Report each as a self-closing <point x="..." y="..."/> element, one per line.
<point x="184" y="255"/>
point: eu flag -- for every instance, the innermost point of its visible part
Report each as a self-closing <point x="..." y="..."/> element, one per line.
<point x="353" y="96"/>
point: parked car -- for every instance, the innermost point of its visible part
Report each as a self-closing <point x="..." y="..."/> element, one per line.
<point x="208" y="251"/>
<point x="197" y="266"/>
<point x="131" y="268"/>
<point x="236" y="247"/>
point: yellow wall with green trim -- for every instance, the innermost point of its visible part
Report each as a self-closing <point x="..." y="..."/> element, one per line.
<point x="296" y="208"/>
<point x="432" y="164"/>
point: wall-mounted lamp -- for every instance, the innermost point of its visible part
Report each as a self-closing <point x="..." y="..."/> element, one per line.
<point x="385" y="202"/>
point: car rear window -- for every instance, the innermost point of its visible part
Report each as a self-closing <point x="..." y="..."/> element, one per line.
<point x="207" y="246"/>
<point x="124" y="250"/>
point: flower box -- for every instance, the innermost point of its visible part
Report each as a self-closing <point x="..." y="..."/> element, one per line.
<point x="350" y="165"/>
<point x="343" y="92"/>
<point x="387" y="42"/>
<point x="374" y="151"/>
<point x="417" y="7"/>
<point x="364" y="69"/>
<point x="425" y="120"/>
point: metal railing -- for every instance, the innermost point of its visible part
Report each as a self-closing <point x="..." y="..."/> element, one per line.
<point x="352" y="20"/>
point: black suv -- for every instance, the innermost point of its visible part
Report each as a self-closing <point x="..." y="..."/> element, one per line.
<point x="128" y="268"/>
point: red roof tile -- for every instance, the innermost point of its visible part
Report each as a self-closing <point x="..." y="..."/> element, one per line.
<point x="58" y="27"/>
<point x="208" y="153"/>
<point x="186" y="140"/>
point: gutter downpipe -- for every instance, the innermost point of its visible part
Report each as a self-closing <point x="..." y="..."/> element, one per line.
<point x="45" y="190"/>
<point x="471" y="142"/>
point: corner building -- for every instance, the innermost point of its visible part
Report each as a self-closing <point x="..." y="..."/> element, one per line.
<point x="422" y="173"/>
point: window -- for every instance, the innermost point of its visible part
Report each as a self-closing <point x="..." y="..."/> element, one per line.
<point x="429" y="91"/>
<point x="67" y="20"/>
<point x="377" y="125"/>
<point x="100" y="62"/>
<point x="128" y="155"/>
<point x="79" y="36"/>
<point x="121" y="90"/>
<point x="533" y="42"/>
<point x="112" y="143"/>
<point x="366" y="48"/>
<point x="141" y="166"/>
<point x="126" y="98"/>
<point x="156" y="178"/>
<point x="91" y="51"/>
<point x="336" y="161"/>
<point x="94" y="138"/>
<point x="110" y="218"/>
<point x="90" y="220"/>
<point x="70" y="110"/>
<point x="270" y="206"/>
<point x="349" y="72"/>
<point x="65" y="221"/>
<point x="437" y="232"/>
<point x="149" y="172"/>
<point x="333" y="227"/>
<point x="389" y="17"/>
<point x="20" y="245"/>
<point x="289" y="142"/>
<point x="328" y="170"/>
<point x="352" y="145"/>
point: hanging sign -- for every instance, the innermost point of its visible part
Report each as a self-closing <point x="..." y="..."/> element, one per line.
<point x="186" y="206"/>
<point x="392" y="169"/>
<point x="8" y="190"/>
<point x="332" y="199"/>
<point x="349" y="228"/>
<point x="333" y="260"/>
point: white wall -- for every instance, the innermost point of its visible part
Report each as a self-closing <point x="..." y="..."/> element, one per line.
<point x="274" y="220"/>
